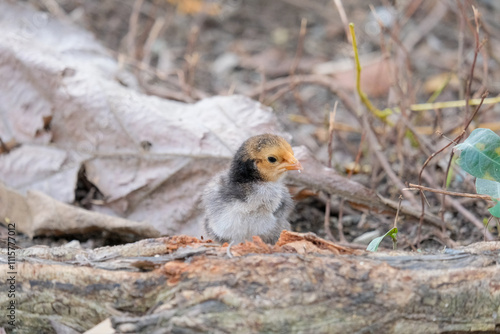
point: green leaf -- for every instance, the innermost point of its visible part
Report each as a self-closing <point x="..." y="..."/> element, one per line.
<point x="450" y="175"/>
<point x="413" y="141"/>
<point x="480" y="154"/>
<point x="373" y="246"/>
<point x="491" y="188"/>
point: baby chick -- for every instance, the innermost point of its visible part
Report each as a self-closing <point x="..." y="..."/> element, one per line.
<point x="250" y="199"/>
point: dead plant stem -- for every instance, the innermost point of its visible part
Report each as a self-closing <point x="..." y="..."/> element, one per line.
<point x="133" y="25"/>
<point x="295" y="64"/>
<point x="452" y="193"/>
<point x="349" y="175"/>
<point x="328" y="231"/>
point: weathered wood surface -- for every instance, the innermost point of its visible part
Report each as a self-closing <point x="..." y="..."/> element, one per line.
<point x="302" y="285"/>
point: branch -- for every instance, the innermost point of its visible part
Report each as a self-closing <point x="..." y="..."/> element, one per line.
<point x="451" y="193"/>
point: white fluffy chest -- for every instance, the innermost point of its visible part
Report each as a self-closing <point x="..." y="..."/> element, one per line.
<point x="240" y="220"/>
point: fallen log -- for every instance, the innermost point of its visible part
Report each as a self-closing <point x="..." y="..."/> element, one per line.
<point x="303" y="284"/>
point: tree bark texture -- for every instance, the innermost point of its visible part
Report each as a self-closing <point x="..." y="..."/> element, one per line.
<point x="303" y="284"/>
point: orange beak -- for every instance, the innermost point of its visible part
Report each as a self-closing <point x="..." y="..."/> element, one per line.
<point x="291" y="163"/>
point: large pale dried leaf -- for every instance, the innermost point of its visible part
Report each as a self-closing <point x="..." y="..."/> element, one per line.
<point x="45" y="168"/>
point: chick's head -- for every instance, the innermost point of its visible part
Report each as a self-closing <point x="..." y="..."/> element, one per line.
<point x="272" y="155"/>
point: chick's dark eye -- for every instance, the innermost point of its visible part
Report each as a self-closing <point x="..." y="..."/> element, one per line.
<point x="271" y="159"/>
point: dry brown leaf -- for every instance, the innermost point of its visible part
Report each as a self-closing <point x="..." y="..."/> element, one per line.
<point x="376" y="74"/>
<point x="39" y="214"/>
<point x="196" y="7"/>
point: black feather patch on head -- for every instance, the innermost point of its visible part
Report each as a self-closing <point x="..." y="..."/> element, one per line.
<point x="243" y="168"/>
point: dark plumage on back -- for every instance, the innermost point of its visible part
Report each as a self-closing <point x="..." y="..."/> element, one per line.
<point x="243" y="168"/>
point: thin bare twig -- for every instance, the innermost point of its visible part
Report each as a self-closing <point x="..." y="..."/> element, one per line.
<point x="484" y="52"/>
<point x="394" y="238"/>
<point x="445" y="179"/>
<point x="449" y="201"/>
<point x="295" y="64"/>
<point x="152" y="37"/>
<point x="191" y="60"/>
<point x="321" y="80"/>
<point x="55" y="9"/>
<point x="132" y="30"/>
<point x="343" y="18"/>
<point x="231" y="89"/>
<point x="426" y="25"/>
<point x="403" y="53"/>
<point x="409" y="10"/>
<point x="300" y="46"/>
<point x="473" y="66"/>
<point x="262" y="84"/>
<point x="330" y="133"/>
<point x="451" y="193"/>
<point x="460" y="50"/>
<point x="486" y="228"/>
<point x="340" y="225"/>
<point x="328" y="231"/>
<point x="397" y="212"/>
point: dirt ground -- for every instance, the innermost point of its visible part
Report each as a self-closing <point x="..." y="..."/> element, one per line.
<point x="296" y="57"/>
